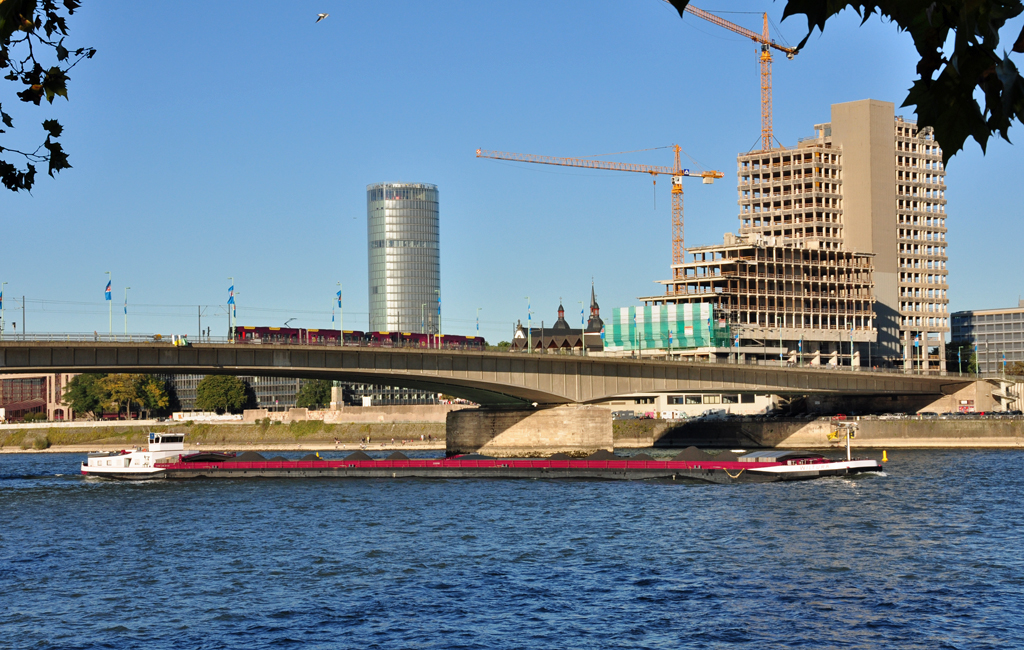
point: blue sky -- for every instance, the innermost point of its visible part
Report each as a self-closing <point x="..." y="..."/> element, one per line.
<point x="217" y="139"/>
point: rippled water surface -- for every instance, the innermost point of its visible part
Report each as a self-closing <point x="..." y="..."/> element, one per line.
<point x="928" y="556"/>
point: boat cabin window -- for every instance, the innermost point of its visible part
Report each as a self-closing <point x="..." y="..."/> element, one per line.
<point x="165" y="439"/>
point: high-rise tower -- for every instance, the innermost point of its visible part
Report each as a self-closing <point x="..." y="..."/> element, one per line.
<point x="403" y="241"/>
<point x="868" y="182"/>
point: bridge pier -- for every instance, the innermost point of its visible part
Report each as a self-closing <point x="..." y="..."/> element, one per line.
<point x="576" y="430"/>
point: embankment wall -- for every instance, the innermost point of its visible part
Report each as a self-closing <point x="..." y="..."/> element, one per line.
<point x="220" y="435"/>
<point x="791" y="434"/>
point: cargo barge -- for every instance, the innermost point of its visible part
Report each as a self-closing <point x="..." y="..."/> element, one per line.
<point x="165" y="460"/>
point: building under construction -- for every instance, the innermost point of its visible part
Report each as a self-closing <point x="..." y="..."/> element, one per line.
<point x="842" y="242"/>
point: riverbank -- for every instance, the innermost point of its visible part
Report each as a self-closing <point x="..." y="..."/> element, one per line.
<point x="296" y="436"/>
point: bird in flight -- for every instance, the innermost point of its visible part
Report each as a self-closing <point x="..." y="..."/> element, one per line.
<point x="320" y="17"/>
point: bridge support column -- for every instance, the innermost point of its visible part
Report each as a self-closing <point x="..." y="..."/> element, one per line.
<point x="576" y="430"/>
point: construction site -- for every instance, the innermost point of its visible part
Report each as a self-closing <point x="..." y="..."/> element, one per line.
<point x="839" y="258"/>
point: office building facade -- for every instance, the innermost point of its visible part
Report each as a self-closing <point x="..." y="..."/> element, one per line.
<point x="997" y="333"/>
<point x="403" y="250"/>
<point x="272" y="393"/>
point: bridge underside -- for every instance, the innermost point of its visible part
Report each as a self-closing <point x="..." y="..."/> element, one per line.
<point x="491" y="379"/>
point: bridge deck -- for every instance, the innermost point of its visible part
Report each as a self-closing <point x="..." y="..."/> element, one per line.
<point x="489" y="378"/>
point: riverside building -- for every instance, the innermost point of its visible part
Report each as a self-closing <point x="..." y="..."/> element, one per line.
<point x="842" y="239"/>
<point x="403" y="244"/>
<point x="997" y="334"/>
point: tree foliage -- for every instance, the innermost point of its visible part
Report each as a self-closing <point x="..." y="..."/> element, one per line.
<point x="1016" y="368"/>
<point x="33" y="54"/>
<point x="947" y="82"/>
<point x="96" y="394"/>
<point x="960" y="357"/>
<point x="222" y="393"/>
<point x="85" y="394"/>
<point x="315" y="393"/>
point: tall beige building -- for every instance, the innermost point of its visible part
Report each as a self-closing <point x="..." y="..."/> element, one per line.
<point x="866" y="182"/>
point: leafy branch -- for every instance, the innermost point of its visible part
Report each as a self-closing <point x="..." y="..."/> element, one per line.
<point x="28" y="27"/>
<point x="945" y="91"/>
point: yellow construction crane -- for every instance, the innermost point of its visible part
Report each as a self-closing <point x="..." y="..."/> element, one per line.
<point x="765" y="58"/>
<point x="677" y="173"/>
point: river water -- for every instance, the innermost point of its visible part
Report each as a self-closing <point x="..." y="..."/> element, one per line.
<point x="927" y="556"/>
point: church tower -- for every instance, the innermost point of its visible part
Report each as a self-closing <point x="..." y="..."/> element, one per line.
<point x="595" y="324"/>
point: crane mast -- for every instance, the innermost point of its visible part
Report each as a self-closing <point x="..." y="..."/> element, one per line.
<point x="676" y="172"/>
<point x="765" y="58"/>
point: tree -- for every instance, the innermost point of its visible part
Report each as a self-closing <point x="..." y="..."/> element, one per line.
<point x="960" y="357"/>
<point x="314" y="394"/>
<point x="145" y="391"/>
<point x="1016" y="368"/>
<point x="85" y="394"/>
<point x="154" y="395"/>
<point x="944" y="92"/>
<point x="30" y="29"/>
<point x="221" y="393"/>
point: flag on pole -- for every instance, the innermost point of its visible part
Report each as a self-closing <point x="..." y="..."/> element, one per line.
<point x="332" y="315"/>
<point x="1" y="299"/>
<point x="231" y="295"/>
<point x="582" y="321"/>
<point x="126" y="307"/>
<point x="106" y="292"/>
<point x="339" y="298"/>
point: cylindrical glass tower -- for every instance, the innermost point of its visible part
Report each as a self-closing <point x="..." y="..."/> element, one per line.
<point x="404" y="257"/>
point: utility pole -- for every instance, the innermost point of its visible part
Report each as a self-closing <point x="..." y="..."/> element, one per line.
<point x="24" y="327"/>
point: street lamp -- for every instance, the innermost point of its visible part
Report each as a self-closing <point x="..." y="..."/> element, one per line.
<point x="439" y="333"/>
<point x="126" y="310"/>
<point x="231" y="301"/>
<point x="478" y="319"/>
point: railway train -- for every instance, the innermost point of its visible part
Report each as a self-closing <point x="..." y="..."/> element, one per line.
<point x="302" y="336"/>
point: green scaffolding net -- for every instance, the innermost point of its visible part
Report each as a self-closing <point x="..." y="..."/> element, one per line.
<point x="664" y="327"/>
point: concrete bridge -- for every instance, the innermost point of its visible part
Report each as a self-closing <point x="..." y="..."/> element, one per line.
<point x="494" y="380"/>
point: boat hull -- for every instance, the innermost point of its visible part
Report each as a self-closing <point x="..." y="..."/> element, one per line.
<point x="723" y="473"/>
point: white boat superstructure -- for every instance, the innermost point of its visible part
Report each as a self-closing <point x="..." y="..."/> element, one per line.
<point x="136" y="464"/>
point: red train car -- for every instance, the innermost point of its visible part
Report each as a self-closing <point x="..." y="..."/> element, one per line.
<point x="300" y="336"/>
<point x="295" y="336"/>
<point x="417" y="340"/>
